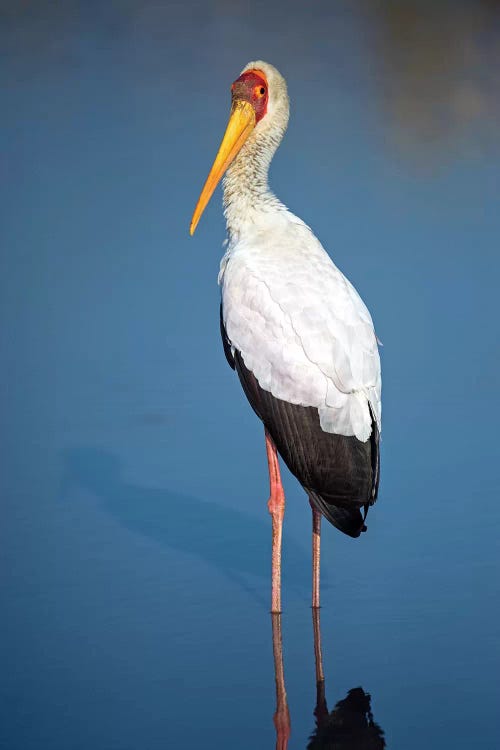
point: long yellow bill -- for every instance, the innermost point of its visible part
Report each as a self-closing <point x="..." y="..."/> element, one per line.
<point x="240" y="125"/>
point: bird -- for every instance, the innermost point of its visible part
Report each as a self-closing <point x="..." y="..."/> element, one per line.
<point x="294" y="329"/>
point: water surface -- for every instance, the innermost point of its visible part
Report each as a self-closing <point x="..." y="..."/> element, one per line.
<point x="135" y="536"/>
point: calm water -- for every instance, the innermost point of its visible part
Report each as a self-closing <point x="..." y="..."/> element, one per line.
<point x="135" y="536"/>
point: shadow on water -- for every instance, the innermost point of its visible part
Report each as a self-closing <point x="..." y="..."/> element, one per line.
<point x="235" y="543"/>
<point x="349" y="726"/>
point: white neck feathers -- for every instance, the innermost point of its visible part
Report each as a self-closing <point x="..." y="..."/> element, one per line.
<point x="248" y="199"/>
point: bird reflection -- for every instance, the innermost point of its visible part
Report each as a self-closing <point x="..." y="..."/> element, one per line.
<point x="350" y="726"/>
<point x="282" y="715"/>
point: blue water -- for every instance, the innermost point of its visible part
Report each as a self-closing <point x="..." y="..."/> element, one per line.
<point x="135" y="536"/>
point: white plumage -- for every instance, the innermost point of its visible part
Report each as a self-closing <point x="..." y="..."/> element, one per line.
<point x="301" y="327"/>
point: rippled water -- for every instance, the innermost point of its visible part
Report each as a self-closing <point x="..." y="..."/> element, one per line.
<point x="135" y="536"/>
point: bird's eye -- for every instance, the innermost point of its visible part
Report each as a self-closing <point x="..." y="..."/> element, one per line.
<point x="259" y="91"/>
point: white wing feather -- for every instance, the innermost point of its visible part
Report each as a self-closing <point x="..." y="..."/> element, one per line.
<point x="301" y="327"/>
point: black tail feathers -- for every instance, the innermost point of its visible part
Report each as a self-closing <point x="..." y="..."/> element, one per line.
<point x="348" y="520"/>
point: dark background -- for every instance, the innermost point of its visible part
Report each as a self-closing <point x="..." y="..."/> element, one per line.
<point x="135" y="535"/>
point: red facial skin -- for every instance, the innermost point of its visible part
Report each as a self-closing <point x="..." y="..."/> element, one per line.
<point x="252" y="87"/>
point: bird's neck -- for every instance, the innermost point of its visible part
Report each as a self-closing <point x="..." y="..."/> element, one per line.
<point x="248" y="199"/>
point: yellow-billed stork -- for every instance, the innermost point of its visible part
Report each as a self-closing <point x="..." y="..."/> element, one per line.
<point x="294" y="329"/>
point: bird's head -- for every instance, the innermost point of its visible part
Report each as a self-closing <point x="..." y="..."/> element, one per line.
<point x="259" y="113"/>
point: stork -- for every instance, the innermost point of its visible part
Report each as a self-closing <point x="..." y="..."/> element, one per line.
<point x="294" y="328"/>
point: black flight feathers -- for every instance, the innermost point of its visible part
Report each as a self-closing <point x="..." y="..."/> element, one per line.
<point x="339" y="473"/>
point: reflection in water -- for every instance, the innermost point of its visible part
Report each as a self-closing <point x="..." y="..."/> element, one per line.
<point x="282" y="714"/>
<point x="350" y="726"/>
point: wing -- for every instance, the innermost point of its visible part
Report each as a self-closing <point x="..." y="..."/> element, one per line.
<point x="303" y="330"/>
<point x="339" y="473"/>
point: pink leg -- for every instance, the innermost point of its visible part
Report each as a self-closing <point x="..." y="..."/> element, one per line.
<point x="316" y="551"/>
<point x="282" y="715"/>
<point x="276" y="506"/>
